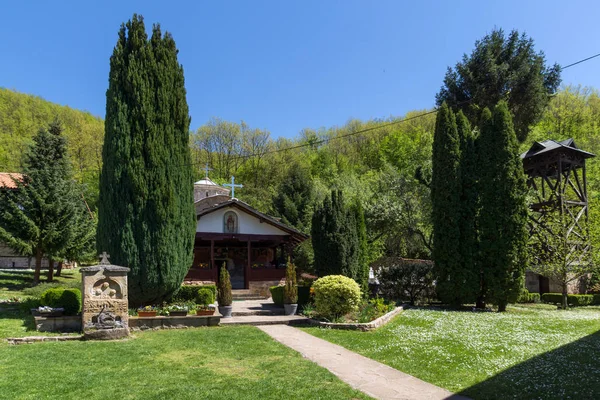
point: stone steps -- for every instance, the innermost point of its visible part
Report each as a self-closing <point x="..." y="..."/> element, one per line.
<point x="258" y="320"/>
<point x="245" y="313"/>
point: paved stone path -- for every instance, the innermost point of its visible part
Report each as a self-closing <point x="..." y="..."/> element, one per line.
<point x="370" y="377"/>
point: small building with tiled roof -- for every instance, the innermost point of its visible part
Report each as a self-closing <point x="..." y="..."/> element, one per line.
<point x="7" y="180"/>
<point x="252" y="245"/>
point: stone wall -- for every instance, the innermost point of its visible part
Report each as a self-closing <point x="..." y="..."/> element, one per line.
<point x="261" y="288"/>
<point x="10" y="259"/>
<point x="58" y="324"/>
<point x="189" y="321"/>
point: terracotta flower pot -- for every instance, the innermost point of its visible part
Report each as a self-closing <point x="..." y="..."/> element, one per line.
<point x="146" y="313"/>
<point x="205" y="312"/>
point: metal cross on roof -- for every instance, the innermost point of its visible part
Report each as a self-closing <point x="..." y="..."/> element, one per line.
<point x="206" y="169"/>
<point x="232" y="185"/>
<point x="104" y="258"/>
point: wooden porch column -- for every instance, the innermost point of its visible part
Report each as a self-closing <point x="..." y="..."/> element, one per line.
<point x="215" y="270"/>
<point x="248" y="266"/>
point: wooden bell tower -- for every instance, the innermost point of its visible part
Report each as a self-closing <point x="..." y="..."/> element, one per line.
<point x="556" y="175"/>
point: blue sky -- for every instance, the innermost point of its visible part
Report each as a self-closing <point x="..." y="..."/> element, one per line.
<point x="286" y="65"/>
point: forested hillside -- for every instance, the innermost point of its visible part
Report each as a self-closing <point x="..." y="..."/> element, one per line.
<point x="384" y="164"/>
<point x="22" y="115"/>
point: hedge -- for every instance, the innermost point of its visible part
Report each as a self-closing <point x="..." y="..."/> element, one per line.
<point x="69" y="299"/>
<point x="205" y="296"/>
<point x="188" y="293"/>
<point x="277" y="295"/>
<point x="572" y="299"/>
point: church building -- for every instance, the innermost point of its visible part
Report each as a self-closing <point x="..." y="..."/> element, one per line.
<point x="253" y="246"/>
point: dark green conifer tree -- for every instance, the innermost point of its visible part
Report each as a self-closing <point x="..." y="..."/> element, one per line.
<point x="468" y="209"/>
<point x="503" y="215"/>
<point x="446" y="209"/>
<point x="295" y="197"/>
<point x="146" y="218"/>
<point x="334" y="238"/>
<point x="363" y="256"/>
<point x="36" y="219"/>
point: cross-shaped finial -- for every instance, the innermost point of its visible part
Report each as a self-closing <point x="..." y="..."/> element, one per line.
<point x="233" y="185"/>
<point x="104" y="258"/>
<point x="206" y="169"/>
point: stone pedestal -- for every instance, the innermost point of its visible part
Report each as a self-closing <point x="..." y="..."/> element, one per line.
<point x="104" y="294"/>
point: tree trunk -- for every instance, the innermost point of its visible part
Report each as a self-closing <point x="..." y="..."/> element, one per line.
<point x="502" y="306"/>
<point x="564" y="296"/>
<point x="480" y="303"/>
<point x="50" y="270"/>
<point x="59" y="268"/>
<point x="38" y="266"/>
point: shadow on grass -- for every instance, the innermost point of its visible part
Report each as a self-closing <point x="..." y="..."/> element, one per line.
<point x="19" y="314"/>
<point x="570" y="371"/>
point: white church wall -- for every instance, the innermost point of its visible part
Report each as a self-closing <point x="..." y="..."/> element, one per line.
<point x="248" y="224"/>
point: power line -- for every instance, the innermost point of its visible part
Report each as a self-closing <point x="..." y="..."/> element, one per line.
<point x="579" y="62"/>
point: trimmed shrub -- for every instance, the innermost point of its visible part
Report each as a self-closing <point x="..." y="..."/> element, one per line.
<point x="596" y="300"/>
<point x="574" y="300"/>
<point x="69" y="299"/>
<point x="188" y="293"/>
<point x="534" y="297"/>
<point x="277" y="294"/>
<point x="404" y="279"/>
<point x="224" y="291"/>
<point x="205" y="296"/>
<point x="290" y="290"/>
<point x="523" y="296"/>
<point x="336" y="295"/>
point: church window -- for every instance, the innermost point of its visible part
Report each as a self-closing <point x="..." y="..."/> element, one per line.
<point x="230" y="222"/>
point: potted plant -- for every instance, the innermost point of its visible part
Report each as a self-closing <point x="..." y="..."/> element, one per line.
<point x="177" y="310"/>
<point x="224" y="293"/>
<point x="147" y="311"/>
<point x="205" y="299"/>
<point x="290" y="290"/>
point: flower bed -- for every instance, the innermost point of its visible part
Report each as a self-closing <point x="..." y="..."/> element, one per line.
<point x="360" y="326"/>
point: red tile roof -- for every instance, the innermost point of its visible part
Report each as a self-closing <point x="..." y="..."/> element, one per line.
<point x="6" y="180"/>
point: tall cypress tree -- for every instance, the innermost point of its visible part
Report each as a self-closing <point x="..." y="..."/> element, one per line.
<point x="145" y="217"/>
<point x="335" y="239"/>
<point x="503" y="214"/>
<point x="363" y="261"/>
<point x="446" y="208"/>
<point x="468" y="209"/>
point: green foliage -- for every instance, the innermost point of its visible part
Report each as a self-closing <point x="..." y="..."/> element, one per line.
<point x="40" y="217"/>
<point x="224" y="296"/>
<point x="523" y="296"/>
<point x="22" y="115"/>
<point x="503" y="215"/>
<point x="146" y="218"/>
<point x="295" y="198"/>
<point x="403" y="279"/>
<point x="277" y="294"/>
<point x="205" y="296"/>
<point x="336" y="295"/>
<point x="534" y="298"/>
<point x="453" y="278"/>
<point x="335" y="239"/>
<point x="506" y="69"/>
<point x="372" y="309"/>
<point x="69" y="299"/>
<point x="290" y="290"/>
<point x="573" y="300"/>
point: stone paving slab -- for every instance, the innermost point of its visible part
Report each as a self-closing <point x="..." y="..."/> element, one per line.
<point x="370" y="377"/>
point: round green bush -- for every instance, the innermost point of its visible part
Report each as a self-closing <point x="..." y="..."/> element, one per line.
<point x="205" y="296"/>
<point x="69" y="299"/>
<point x="336" y="295"/>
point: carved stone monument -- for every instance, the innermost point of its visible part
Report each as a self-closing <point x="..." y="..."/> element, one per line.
<point x="105" y="312"/>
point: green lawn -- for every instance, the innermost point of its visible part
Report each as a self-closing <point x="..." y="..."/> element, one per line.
<point x="200" y="363"/>
<point x="529" y="352"/>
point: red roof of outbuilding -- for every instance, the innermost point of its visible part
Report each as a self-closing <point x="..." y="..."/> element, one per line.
<point x="6" y="179"/>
